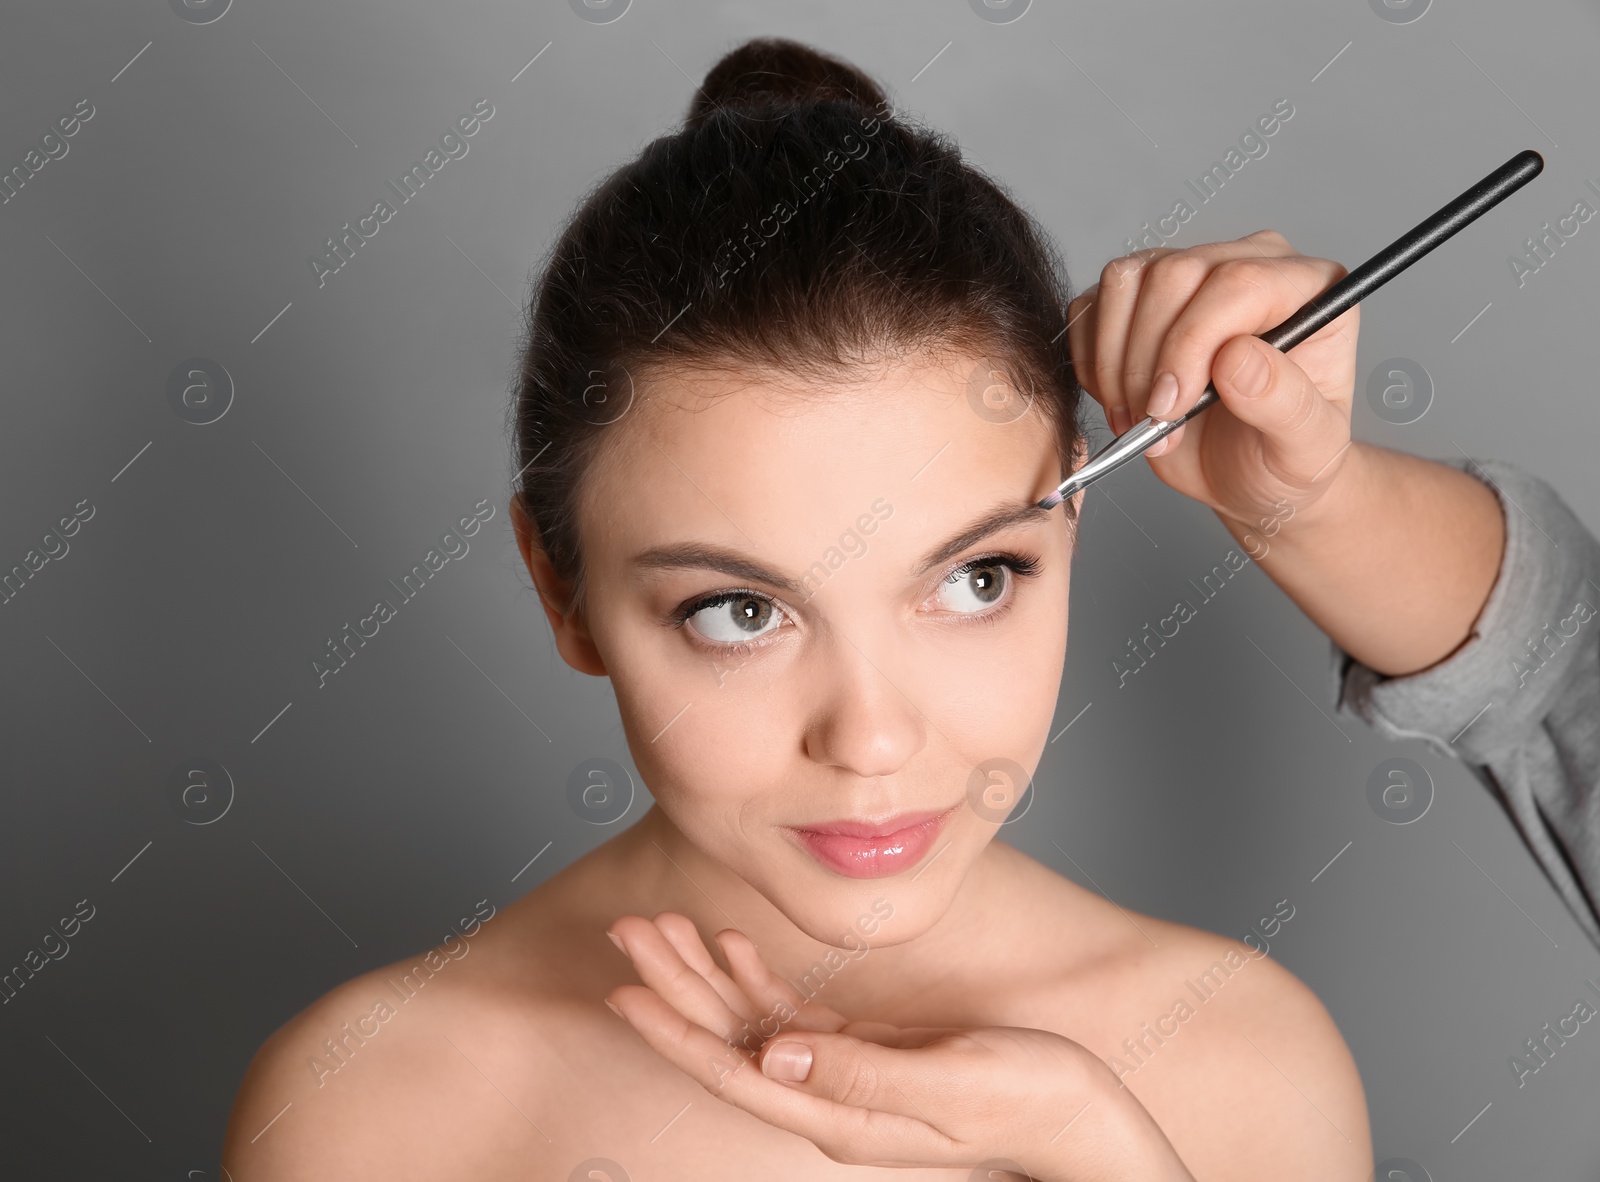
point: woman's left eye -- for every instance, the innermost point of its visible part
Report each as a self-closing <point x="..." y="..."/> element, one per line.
<point x="982" y="583"/>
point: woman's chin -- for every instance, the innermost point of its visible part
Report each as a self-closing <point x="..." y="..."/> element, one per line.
<point x="854" y="915"/>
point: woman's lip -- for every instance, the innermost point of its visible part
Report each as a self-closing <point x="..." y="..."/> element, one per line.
<point x="886" y="828"/>
<point x="875" y="855"/>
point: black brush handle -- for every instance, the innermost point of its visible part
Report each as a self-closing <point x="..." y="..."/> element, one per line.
<point x="1323" y="310"/>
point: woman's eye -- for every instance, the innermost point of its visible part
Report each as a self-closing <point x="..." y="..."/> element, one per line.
<point x="736" y="619"/>
<point x="973" y="588"/>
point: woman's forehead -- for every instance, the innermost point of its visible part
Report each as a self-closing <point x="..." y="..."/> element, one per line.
<point x="950" y="394"/>
<point x="735" y="460"/>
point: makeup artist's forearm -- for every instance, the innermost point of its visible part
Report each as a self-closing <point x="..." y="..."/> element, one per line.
<point x="1395" y="563"/>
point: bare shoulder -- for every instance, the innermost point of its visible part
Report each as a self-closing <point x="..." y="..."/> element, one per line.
<point x="1236" y="1057"/>
<point x="422" y="1069"/>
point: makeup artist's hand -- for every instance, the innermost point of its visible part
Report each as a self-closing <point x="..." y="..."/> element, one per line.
<point x="1281" y="433"/>
<point x="1391" y="555"/>
<point x="867" y="1093"/>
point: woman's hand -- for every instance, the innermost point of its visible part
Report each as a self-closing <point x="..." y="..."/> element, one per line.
<point x="868" y="1093"/>
<point x="1281" y="433"/>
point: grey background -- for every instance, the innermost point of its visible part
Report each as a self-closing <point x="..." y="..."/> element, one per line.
<point x="369" y="416"/>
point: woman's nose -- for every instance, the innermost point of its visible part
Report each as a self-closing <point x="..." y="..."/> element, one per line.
<point x="864" y="720"/>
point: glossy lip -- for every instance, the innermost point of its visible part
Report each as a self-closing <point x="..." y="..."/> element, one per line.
<point x="866" y="849"/>
<point x="885" y="828"/>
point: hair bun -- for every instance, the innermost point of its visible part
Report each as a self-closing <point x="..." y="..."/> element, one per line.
<point x="768" y="70"/>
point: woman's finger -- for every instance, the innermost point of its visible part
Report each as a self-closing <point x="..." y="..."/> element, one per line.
<point x="859" y="1074"/>
<point x="685" y="938"/>
<point x="847" y="1132"/>
<point x="660" y="967"/>
<point x="902" y="1037"/>
<point x="769" y="993"/>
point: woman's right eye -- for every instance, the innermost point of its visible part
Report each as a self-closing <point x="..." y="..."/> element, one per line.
<point x="736" y="619"/>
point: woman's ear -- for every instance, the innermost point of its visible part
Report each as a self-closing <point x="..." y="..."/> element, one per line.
<point x="573" y="642"/>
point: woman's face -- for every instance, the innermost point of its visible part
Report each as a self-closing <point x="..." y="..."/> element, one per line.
<point x="788" y="591"/>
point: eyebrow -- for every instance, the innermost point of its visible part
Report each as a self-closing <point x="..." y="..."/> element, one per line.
<point x="700" y="556"/>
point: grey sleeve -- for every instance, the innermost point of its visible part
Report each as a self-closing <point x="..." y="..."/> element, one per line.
<point x="1519" y="701"/>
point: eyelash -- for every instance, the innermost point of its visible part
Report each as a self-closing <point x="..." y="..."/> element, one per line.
<point x="1024" y="566"/>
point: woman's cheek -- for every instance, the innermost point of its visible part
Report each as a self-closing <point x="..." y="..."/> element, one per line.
<point x="997" y="694"/>
<point x="698" y="743"/>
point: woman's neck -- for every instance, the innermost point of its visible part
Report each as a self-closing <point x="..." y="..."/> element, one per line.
<point x="659" y="869"/>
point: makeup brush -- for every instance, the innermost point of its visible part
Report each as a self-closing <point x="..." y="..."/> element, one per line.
<point x="1321" y="310"/>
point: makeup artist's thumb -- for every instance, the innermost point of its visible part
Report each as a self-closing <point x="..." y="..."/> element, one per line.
<point x="1267" y="390"/>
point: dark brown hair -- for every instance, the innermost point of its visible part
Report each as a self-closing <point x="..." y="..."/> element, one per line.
<point x="793" y="223"/>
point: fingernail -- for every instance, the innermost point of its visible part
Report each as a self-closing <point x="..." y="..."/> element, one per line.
<point x="1163" y="394"/>
<point x="1121" y="420"/>
<point x="1250" y="378"/>
<point x="620" y="946"/>
<point x="614" y="1009"/>
<point x="786" y="1060"/>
